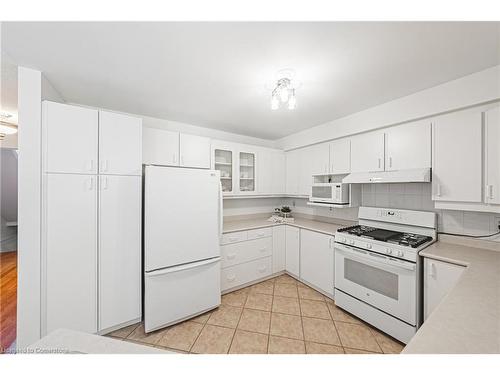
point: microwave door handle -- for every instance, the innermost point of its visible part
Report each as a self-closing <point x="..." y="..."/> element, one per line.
<point x="366" y="258"/>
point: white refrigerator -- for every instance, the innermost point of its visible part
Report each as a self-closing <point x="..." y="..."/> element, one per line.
<point x="182" y="229"/>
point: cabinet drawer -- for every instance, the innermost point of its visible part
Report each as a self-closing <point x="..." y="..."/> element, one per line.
<point x="244" y="251"/>
<point x="260" y="233"/>
<point x="233" y="237"/>
<point x="246" y="272"/>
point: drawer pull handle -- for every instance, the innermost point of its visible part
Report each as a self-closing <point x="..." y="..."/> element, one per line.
<point x="231" y="256"/>
<point x="231" y="278"/>
<point x="262" y="269"/>
<point x="233" y="239"/>
<point x="261" y="234"/>
<point x="262" y="249"/>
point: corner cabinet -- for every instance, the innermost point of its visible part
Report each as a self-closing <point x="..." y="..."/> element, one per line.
<point x="492" y="156"/>
<point x="439" y="279"/>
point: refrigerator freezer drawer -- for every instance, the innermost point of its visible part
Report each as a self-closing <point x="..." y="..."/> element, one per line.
<point x="178" y="293"/>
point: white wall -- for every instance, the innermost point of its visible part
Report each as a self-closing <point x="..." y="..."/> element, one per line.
<point x="471" y="90"/>
<point x="32" y="89"/>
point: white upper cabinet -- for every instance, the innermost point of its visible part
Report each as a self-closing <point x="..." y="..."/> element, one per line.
<point x="292" y="172"/>
<point x="120" y="148"/>
<point x="194" y="151"/>
<point x="247" y="171"/>
<point x="271" y="171"/>
<point x="340" y="156"/>
<point x="457" y="157"/>
<point x="320" y="155"/>
<point x="408" y="146"/>
<point x="223" y="160"/>
<point x="160" y="147"/>
<point x="492" y="156"/>
<point x="367" y="152"/>
<point x="70" y="136"/>
<point x="305" y="171"/>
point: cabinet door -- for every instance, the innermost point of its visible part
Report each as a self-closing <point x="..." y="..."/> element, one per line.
<point x="70" y="253"/>
<point x="408" y="146"/>
<point x="223" y="161"/>
<point x="160" y="147"/>
<point x="69" y="138"/>
<point x="194" y="151"/>
<point x="305" y="171"/>
<point x="247" y="171"/>
<point x="316" y="260"/>
<point x="292" y="257"/>
<point x="320" y="158"/>
<point x="492" y="156"/>
<point x="278" y="172"/>
<point x="367" y="152"/>
<point x="292" y="172"/>
<point x="279" y="248"/>
<point x="119" y="250"/>
<point x="340" y="156"/>
<point x="120" y="144"/>
<point x="440" y="278"/>
<point x="457" y="157"/>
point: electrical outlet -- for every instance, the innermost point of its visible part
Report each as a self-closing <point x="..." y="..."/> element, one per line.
<point x="293" y="203"/>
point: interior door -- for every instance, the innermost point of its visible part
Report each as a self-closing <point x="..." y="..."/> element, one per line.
<point x="316" y="260"/>
<point x="367" y="152"/>
<point x="182" y="216"/>
<point x="69" y="295"/>
<point x="457" y="157"/>
<point x="194" y="151"/>
<point x="70" y="137"/>
<point x="492" y="156"/>
<point x="408" y="146"/>
<point x="120" y="267"/>
<point x="160" y="147"/>
<point x="120" y="144"/>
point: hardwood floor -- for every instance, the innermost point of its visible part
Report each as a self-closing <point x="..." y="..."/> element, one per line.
<point x="8" y="299"/>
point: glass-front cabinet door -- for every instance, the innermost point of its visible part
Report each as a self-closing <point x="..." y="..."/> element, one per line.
<point x="246" y="172"/>
<point x="223" y="162"/>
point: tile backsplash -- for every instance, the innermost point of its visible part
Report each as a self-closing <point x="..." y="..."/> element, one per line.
<point x="410" y="196"/>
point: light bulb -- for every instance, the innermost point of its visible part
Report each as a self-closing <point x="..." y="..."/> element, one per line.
<point x="292" y="102"/>
<point x="274" y="103"/>
<point x="284" y="94"/>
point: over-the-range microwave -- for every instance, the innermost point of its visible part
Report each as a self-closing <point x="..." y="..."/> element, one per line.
<point x="331" y="192"/>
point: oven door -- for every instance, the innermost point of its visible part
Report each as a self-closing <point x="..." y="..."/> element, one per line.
<point x="385" y="283"/>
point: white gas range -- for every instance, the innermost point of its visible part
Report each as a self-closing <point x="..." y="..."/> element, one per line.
<point x="377" y="268"/>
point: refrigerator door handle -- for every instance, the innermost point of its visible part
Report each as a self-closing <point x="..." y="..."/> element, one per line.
<point x="182" y="267"/>
<point x="221" y="219"/>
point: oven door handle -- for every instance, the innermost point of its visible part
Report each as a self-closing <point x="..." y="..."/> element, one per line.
<point x="381" y="260"/>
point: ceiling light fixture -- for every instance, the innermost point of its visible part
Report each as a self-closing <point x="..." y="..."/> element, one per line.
<point x="283" y="90"/>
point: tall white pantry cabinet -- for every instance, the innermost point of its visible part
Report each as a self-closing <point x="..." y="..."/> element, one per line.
<point x="91" y="225"/>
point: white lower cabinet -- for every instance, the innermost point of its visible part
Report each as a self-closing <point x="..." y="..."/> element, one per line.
<point x="316" y="260"/>
<point x="439" y="278"/>
<point x="119" y="250"/>
<point x="246" y="272"/>
<point x="279" y="248"/>
<point x="246" y="256"/>
<point x="292" y="258"/>
<point x="69" y="255"/>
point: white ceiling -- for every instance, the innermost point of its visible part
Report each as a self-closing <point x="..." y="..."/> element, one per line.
<point x="215" y="74"/>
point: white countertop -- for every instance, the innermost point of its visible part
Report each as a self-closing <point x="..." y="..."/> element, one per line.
<point x="468" y="319"/>
<point x="65" y="341"/>
<point x="261" y="222"/>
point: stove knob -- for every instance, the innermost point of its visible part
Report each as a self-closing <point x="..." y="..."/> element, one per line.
<point x="343" y="240"/>
<point x="351" y="242"/>
<point x="401" y="254"/>
<point x="368" y="246"/>
<point x="388" y="251"/>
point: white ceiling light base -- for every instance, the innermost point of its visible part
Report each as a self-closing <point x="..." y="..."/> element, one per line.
<point x="283" y="90"/>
